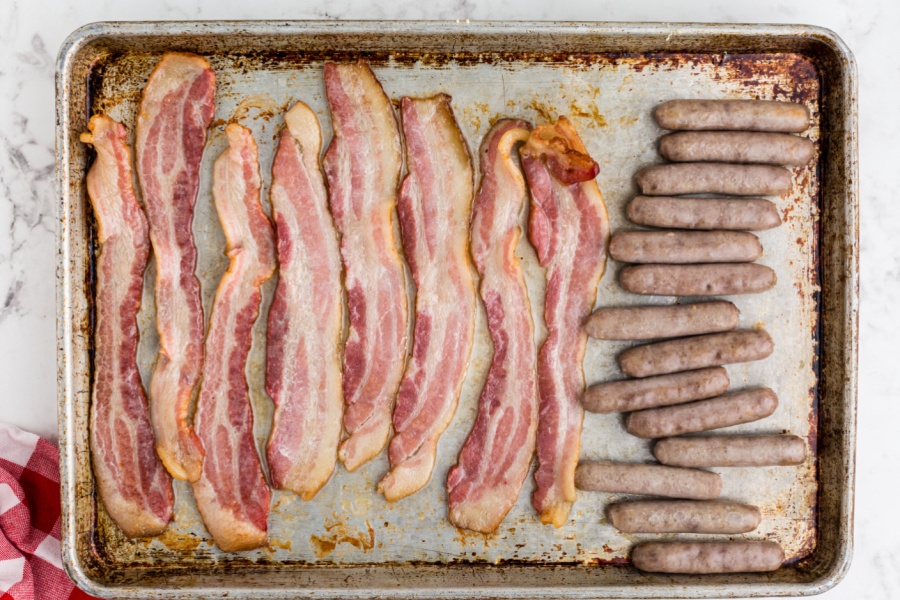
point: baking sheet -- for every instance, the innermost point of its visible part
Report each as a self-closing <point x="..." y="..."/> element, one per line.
<point x="609" y="97"/>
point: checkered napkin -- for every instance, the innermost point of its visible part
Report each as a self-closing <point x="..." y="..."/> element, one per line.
<point x="30" y="559"/>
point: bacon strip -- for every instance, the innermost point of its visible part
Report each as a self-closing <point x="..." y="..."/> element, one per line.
<point x="494" y="461"/>
<point x="303" y="357"/>
<point x="132" y="482"/>
<point x="569" y="229"/>
<point x="434" y="209"/>
<point x="362" y="165"/>
<point x="232" y="493"/>
<point x="176" y="110"/>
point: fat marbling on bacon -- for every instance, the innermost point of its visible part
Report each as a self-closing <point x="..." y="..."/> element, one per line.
<point x="494" y="461"/>
<point x="434" y="209"/>
<point x="362" y="166"/>
<point x="303" y="356"/>
<point x="176" y="109"/>
<point x="131" y="480"/>
<point x="232" y="494"/>
<point x="569" y="228"/>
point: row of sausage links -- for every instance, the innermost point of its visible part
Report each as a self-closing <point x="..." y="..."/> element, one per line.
<point x="678" y="477"/>
<point x="691" y="263"/>
<point x="683" y="378"/>
<point x="697" y="255"/>
<point x="720" y="347"/>
<point x="704" y="158"/>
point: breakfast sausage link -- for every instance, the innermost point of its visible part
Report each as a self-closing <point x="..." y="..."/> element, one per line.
<point x="708" y="557"/>
<point x="696" y="352"/>
<point x="731" y="451"/>
<point x="716" y="279"/>
<point x="664" y="390"/>
<point x="724" y="411"/>
<point x="748" y="115"/>
<point x="674" y="179"/>
<point x="751" y="214"/>
<point x="737" y="147"/>
<point x="679" y="247"/>
<point x="653" y="322"/>
<point x="652" y="480"/>
<point x="683" y="516"/>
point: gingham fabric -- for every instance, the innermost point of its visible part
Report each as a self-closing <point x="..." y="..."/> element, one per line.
<point x="30" y="559"/>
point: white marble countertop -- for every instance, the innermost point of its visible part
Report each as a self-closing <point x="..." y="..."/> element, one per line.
<point x="32" y="30"/>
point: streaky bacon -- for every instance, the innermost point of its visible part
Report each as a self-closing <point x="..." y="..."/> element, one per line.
<point x="303" y="356"/>
<point x="569" y="228"/>
<point x="177" y="107"/>
<point x="494" y="461"/>
<point x="232" y="493"/>
<point x="434" y="209"/>
<point x="131" y="480"/>
<point x="362" y="166"/>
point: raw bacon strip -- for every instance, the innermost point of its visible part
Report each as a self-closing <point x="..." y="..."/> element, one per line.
<point x="434" y="209"/>
<point x="232" y="493"/>
<point x="362" y="165"/>
<point x="176" y="110"/>
<point x="494" y="461"/>
<point x="569" y="229"/>
<point x="132" y="482"/>
<point x="303" y="357"/>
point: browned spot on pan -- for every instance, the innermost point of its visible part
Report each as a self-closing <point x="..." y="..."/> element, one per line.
<point x="179" y="541"/>
<point x="341" y="533"/>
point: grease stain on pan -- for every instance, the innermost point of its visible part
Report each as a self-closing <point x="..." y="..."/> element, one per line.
<point x="337" y="532"/>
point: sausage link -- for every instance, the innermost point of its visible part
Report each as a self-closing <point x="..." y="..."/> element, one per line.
<point x="683" y="516"/>
<point x="653" y="322"/>
<point x="737" y="147"/>
<point x="717" y="279"/>
<point x="708" y="557"/>
<point x="731" y="451"/>
<point x="674" y="179"/>
<point x="749" y="115"/>
<point x="679" y="247"/>
<point x="653" y="480"/>
<point x="752" y="214"/>
<point x="638" y="394"/>
<point x="724" y="411"/>
<point x="696" y="352"/>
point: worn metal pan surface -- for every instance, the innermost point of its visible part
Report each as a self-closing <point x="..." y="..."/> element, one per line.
<point x="348" y="542"/>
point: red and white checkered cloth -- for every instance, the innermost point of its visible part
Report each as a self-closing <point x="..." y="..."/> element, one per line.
<point x="30" y="557"/>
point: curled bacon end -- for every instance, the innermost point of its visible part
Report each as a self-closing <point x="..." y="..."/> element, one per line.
<point x="560" y="148"/>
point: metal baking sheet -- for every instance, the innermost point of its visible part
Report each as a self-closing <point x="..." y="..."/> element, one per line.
<point x="348" y="541"/>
